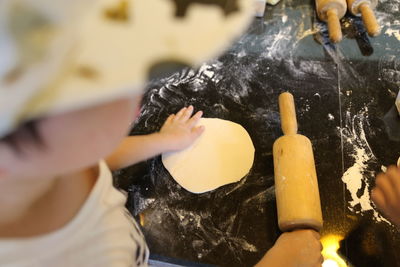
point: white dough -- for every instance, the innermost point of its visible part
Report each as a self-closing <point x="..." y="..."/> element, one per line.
<point x="223" y="154"/>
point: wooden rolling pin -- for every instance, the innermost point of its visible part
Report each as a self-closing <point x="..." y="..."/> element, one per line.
<point x="296" y="185"/>
<point x="331" y="11"/>
<point x="364" y="9"/>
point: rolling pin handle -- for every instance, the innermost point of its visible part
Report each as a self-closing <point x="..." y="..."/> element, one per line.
<point x="288" y="113"/>
<point x="369" y="20"/>
<point x="335" y="31"/>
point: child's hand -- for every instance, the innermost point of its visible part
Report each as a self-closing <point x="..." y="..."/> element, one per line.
<point x="178" y="132"/>
<point x="386" y="194"/>
<point x="297" y="248"/>
<point x="179" y="129"/>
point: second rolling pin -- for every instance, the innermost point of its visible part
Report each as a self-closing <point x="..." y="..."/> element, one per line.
<point x="364" y="9"/>
<point x="331" y="11"/>
<point x="296" y="185"/>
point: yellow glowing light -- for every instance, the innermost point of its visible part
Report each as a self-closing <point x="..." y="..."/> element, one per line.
<point x="331" y="245"/>
<point x="330" y="263"/>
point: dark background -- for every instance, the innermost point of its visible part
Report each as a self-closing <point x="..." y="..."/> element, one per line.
<point x="345" y="97"/>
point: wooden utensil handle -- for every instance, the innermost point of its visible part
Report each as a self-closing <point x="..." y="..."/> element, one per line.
<point x="369" y="20"/>
<point x="288" y="113"/>
<point x="335" y="31"/>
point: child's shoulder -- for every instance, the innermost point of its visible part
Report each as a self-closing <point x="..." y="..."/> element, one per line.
<point x="101" y="232"/>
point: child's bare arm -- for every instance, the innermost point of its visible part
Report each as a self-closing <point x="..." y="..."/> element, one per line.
<point x="178" y="132"/>
<point x="386" y="194"/>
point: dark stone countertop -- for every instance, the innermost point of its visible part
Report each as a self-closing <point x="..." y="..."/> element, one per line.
<point x="345" y="97"/>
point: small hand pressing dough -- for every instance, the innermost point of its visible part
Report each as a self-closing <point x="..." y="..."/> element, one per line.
<point x="223" y="154"/>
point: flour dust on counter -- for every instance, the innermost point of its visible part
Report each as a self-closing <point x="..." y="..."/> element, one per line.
<point x="239" y="220"/>
<point x="283" y="42"/>
<point x="389" y="17"/>
<point x="389" y="71"/>
<point x="204" y="224"/>
<point x="358" y="178"/>
<point x="391" y="23"/>
<point x="208" y="235"/>
<point x="194" y="227"/>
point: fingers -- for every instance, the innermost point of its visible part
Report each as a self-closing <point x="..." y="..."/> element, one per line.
<point x="198" y="131"/>
<point x="386" y="194"/>
<point x="383" y="182"/>
<point x="186" y="114"/>
<point x="313" y="239"/>
<point x="310" y="233"/>
<point x="315" y="234"/>
<point x="393" y="175"/>
<point x="169" y="119"/>
<point x="193" y="121"/>
<point x="319" y="262"/>
<point x="378" y="198"/>
<point x="179" y="114"/>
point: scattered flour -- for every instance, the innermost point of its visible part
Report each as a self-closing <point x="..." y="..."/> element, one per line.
<point x="390" y="24"/>
<point x="393" y="32"/>
<point x="357" y="178"/>
<point x="353" y="178"/>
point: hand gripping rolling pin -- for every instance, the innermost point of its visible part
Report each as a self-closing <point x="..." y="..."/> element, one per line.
<point x="364" y="9"/>
<point x="331" y="11"/>
<point x="296" y="185"/>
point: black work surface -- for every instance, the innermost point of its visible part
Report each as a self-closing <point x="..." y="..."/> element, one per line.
<point x="345" y="97"/>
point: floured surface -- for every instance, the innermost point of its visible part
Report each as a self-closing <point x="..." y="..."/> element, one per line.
<point x="332" y="85"/>
<point x="223" y="154"/>
<point x="357" y="178"/>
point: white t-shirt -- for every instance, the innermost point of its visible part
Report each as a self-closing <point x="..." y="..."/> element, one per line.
<point x="102" y="234"/>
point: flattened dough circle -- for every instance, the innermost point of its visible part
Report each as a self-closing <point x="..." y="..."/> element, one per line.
<point x="223" y="154"/>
